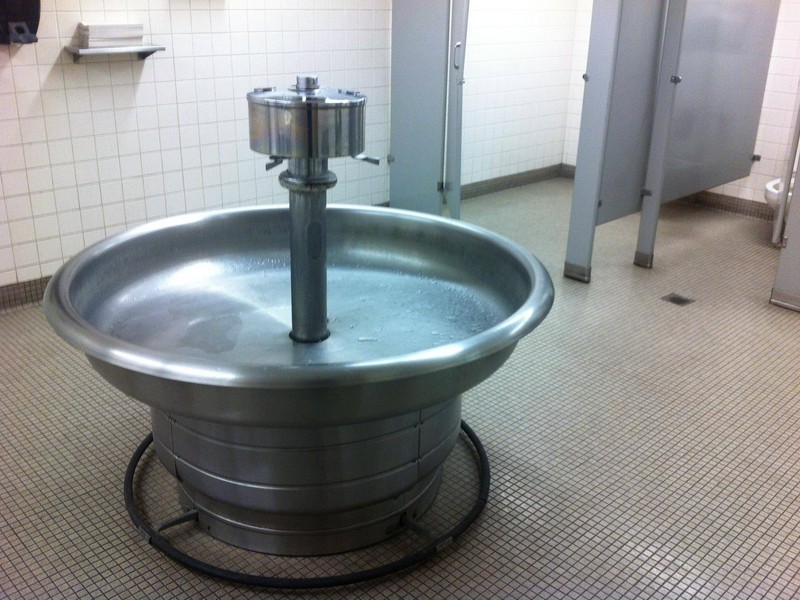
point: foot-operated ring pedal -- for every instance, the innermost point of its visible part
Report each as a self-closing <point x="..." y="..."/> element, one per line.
<point x="153" y="534"/>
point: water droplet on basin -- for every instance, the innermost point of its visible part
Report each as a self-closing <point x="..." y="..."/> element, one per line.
<point x="367" y="339"/>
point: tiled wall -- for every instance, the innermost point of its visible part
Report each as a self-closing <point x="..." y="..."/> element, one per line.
<point x="580" y="51"/>
<point x="92" y="148"/>
<point x="519" y="67"/>
<point x="780" y="98"/>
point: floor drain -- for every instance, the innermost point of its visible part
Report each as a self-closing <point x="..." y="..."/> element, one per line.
<point x="677" y="299"/>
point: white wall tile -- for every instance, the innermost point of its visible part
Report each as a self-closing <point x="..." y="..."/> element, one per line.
<point x="14" y="183"/>
<point x="26" y="78"/>
<point x="66" y="199"/>
<point x="515" y="98"/>
<point x="94" y="235"/>
<point x="7" y="266"/>
<point x="106" y="145"/>
<point x="114" y="214"/>
<point x="86" y="172"/>
<point x="47" y="31"/>
<point x="57" y="127"/>
<point x="29" y="272"/>
<point x="33" y="129"/>
<point x="62" y="176"/>
<point x="12" y="158"/>
<point x="151" y="163"/>
<point x="89" y="195"/>
<point x="135" y="212"/>
<point x="108" y="168"/>
<point x="29" y="104"/>
<point x="47" y="227"/>
<point x="54" y="102"/>
<point x="71" y="244"/>
<point x="43" y="203"/>
<point x="22" y="231"/>
<point x="80" y="124"/>
<point x="25" y="255"/>
<point x="175" y="203"/>
<point x="98" y="74"/>
<point x="69" y="222"/>
<point x="103" y="121"/>
<point x="83" y="148"/>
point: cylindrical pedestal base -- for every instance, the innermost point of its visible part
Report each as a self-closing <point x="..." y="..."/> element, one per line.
<point x="308" y="491"/>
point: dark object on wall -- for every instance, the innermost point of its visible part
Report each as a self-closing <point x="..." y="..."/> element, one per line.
<point x="19" y="20"/>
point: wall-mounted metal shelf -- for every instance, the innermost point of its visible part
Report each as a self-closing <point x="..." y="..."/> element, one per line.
<point x="141" y="52"/>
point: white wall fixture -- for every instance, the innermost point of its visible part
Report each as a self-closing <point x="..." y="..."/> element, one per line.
<point x="141" y="52"/>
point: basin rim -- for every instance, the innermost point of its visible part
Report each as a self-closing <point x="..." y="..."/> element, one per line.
<point x="82" y="335"/>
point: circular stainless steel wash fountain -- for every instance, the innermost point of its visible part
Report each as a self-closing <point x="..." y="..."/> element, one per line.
<point x="304" y="366"/>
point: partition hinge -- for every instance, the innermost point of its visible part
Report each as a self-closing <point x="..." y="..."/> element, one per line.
<point x="440" y="186"/>
<point x="676" y="79"/>
<point x="646" y="192"/>
<point x="755" y="158"/>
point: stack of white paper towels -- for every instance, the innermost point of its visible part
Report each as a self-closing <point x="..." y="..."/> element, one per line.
<point x="109" y="35"/>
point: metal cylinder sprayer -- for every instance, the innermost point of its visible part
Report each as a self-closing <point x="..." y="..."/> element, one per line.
<point x="307" y="125"/>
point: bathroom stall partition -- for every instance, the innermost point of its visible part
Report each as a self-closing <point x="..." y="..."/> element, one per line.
<point x="786" y="290"/>
<point x="428" y="52"/>
<point x="672" y="101"/>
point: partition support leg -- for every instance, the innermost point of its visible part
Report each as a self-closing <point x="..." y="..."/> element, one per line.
<point x="580" y="239"/>
<point x="645" y="244"/>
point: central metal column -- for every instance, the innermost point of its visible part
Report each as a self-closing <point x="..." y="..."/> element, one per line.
<point x="307" y="180"/>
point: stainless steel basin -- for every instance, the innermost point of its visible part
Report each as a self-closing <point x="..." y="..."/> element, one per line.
<point x="291" y="447"/>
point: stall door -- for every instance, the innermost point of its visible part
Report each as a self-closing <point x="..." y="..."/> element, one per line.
<point x="428" y="50"/>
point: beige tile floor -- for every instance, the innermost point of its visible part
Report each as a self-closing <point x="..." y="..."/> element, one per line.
<point x="638" y="448"/>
